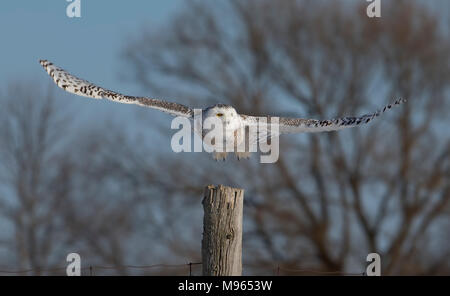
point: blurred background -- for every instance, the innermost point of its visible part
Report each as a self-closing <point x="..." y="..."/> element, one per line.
<point x="100" y="179"/>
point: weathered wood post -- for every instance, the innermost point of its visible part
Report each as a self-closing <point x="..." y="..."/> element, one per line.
<point x="222" y="230"/>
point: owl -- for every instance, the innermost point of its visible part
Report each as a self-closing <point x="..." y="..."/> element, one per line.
<point x="234" y="124"/>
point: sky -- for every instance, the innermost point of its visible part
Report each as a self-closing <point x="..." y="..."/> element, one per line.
<point x="32" y="30"/>
<point x="89" y="46"/>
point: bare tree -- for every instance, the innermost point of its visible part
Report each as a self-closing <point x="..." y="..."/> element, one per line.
<point x="331" y="198"/>
<point x="33" y="189"/>
<point x="65" y="190"/>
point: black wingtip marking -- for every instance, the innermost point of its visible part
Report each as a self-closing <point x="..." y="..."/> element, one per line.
<point x="45" y="63"/>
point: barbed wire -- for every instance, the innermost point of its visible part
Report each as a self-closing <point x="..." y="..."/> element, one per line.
<point x="91" y="268"/>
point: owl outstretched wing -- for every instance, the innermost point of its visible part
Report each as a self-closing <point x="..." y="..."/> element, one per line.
<point x="84" y="88"/>
<point x="287" y="125"/>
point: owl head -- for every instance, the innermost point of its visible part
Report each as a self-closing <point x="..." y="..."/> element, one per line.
<point x="227" y="114"/>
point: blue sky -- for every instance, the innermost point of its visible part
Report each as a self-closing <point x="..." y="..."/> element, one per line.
<point x="88" y="47"/>
<point x="31" y="30"/>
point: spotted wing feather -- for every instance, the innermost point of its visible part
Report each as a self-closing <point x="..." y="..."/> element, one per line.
<point x="84" y="88"/>
<point x="295" y="125"/>
<point x="300" y="125"/>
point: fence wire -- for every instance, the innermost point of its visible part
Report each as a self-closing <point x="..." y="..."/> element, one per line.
<point x="277" y="270"/>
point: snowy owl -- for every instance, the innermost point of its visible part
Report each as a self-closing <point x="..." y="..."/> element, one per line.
<point x="234" y="123"/>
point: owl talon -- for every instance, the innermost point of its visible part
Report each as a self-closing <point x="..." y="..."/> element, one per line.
<point x="220" y="156"/>
<point x="242" y="155"/>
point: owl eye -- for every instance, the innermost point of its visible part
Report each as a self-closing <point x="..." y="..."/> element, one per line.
<point x="219" y="114"/>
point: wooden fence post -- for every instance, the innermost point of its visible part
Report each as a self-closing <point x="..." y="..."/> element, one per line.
<point x="222" y="230"/>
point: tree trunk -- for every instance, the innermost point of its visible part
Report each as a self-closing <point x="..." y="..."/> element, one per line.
<point x="222" y="230"/>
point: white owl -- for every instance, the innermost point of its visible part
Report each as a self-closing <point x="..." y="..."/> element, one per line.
<point x="233" y="122"/>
